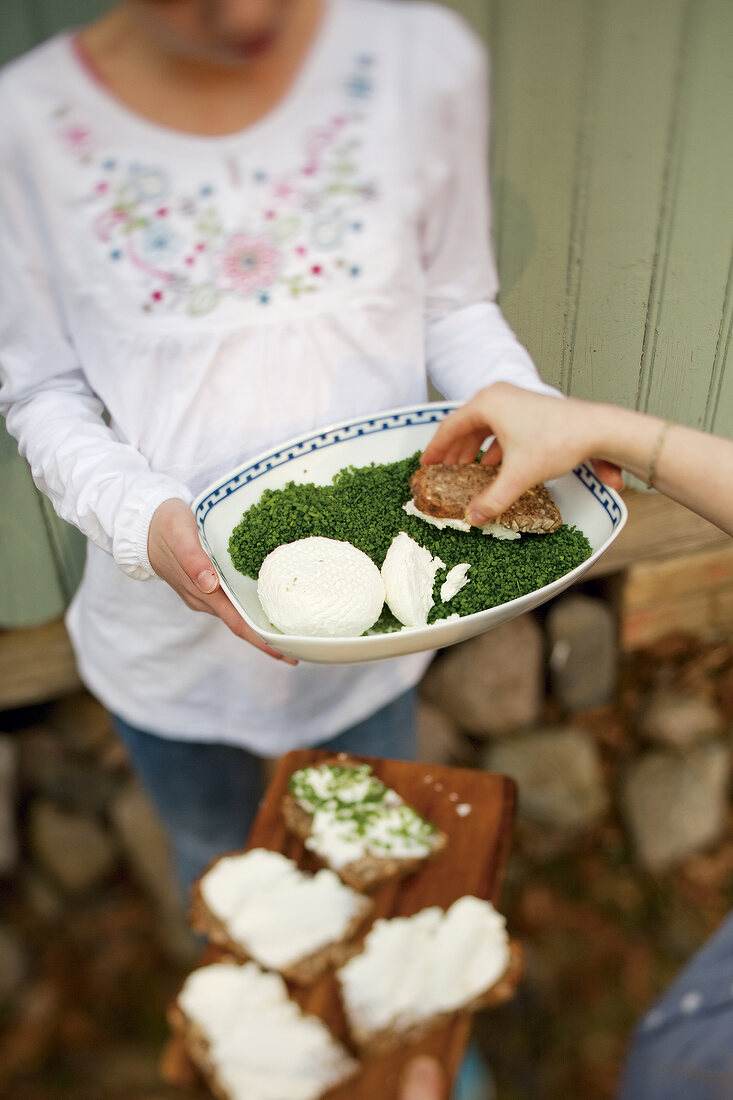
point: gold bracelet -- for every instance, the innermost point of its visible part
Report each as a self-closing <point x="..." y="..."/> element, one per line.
<point x="656" y="453"/>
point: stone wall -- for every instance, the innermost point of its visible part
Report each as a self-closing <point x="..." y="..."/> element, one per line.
<point x="547" y="704"/>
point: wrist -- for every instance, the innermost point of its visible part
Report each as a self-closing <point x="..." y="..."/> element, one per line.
<point x="629" y="439"/>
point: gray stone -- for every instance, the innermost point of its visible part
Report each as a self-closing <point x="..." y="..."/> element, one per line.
<point x="558" y="774"/>
<point x="676" y="805"/>
<point x="493" y="684"/>
<point x="679" y="719"/>
<point x="438" y="736"/>
<point x="13" y="965"/>
<point x="42" y="896"/>
<point x="75" y="851"/>
<point x="39" y="752"/>
<point x="581" y="636"/>
<point x="83" y="723"/>
<point x="8" y="830"/>
<point x="75" y="784"/>
<point x="115" y="758"/>
<point x="147" y="854"/>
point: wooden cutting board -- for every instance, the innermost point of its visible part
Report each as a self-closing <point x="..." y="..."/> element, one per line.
<point x="476" y="810"/>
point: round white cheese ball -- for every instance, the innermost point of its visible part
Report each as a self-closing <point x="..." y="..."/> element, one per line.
<point x="321" y="588"/>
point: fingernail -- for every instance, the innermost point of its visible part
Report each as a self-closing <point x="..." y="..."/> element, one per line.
<point x="206" y="580"/>
<point x="422" y="1072"/>
<point x="477" y="519"/>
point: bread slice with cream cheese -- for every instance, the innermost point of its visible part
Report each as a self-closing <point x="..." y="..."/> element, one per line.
<point x="356" y="825"/>
<point x="414" y="973"/>
<point x="259" y="905"/>
<point x="249" y="1039"/>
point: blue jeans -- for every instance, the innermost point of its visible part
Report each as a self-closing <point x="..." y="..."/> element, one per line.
<point x="207" y="794"/>
<point x="682" y="1048"/>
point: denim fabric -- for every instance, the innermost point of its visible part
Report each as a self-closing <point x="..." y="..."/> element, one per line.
<point x="474" y="1080"/>
<point x="207" y="794"/>
<point x="682" y="1049"/>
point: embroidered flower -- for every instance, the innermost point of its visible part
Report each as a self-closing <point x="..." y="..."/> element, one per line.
<point x="190" y="252"/>
<point x="78" y="138"/>
<point x="359" y="86"/>
<point x="248" y="263"/>
<point x="160" y="242"/>
<point x="328" y="231"/>
<point x="148" y="184"/>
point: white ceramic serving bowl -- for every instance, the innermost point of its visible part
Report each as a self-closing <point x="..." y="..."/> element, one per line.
<point x="385" y="437"/>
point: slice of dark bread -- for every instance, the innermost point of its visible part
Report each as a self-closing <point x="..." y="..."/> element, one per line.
<point x="371" y="870"/>
<point x="445" y="492"/>
<point x="375" y="1044"/>
<point x="201" y="1045"/>
<point x="415" y="973"/>
<point x="304" y="970"/>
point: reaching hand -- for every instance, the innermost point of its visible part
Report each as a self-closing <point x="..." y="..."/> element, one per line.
<point x="423" y="1079"/>
<point x="537" y="437"/>
<point x="178" y="558"/>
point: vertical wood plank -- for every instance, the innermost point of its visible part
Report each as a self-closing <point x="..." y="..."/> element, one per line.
<point x="633" y="106"/>
<point x="30" y="591"/>
<point x="538" y="55"/>
<point x="686" y="370"/>
<point x="53" y="16"/>
<point x="611" y="165"/>
<point x="20" y="29"/>
<point x="41" y="556"/>
<point x="722" y="390"/>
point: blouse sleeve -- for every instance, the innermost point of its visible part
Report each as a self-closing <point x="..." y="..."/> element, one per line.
<point x="469" y="343"/>
<point x="93" y="479"/>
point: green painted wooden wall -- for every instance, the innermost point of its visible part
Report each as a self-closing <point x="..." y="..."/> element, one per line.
<point x="612" y="163"/>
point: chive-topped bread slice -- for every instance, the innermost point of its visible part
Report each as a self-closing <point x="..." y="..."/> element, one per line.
<point x="356" y="825"/>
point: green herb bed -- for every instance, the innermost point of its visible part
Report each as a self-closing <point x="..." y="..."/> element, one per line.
<point x="364" y="506"/>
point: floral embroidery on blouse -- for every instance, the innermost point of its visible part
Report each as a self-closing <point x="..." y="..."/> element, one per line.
<point x="297" y="236"/>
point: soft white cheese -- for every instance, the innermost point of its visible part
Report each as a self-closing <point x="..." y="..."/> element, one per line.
<point x="455" y="580"/>
<point x="496" y="530"/>
<point x="386" y="835"/>
<point x="320" y="588"/>
<point x="408" y="573"/>
<point x="278" y="913"/>
<point x="355" y="815"/>
<point x="458" y="524"/>
<point x="261" y="1046"/>
<point x="412" y="968"/>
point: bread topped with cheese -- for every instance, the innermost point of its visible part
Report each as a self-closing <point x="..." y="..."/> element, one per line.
<point x="249" y="1039"/>
<point x="415" y="973"/>
<point x="356" y="825"/>
<point x="259" y="905"/>
<point x="443" y="493"/>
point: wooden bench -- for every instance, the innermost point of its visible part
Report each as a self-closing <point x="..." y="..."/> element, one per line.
<point x="673" y="571"/>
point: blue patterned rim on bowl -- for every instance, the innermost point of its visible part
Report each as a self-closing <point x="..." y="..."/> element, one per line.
<point x="301" y="447"/>
<point x="407" y="417"/>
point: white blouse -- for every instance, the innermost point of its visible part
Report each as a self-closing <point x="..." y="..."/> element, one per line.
<point x="171" y="304"/>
